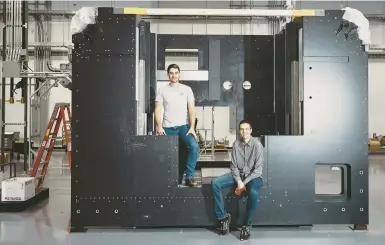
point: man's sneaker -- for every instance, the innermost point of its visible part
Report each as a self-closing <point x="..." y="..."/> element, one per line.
<point x="245" y="233"/>
<point x="191" y="182"/>
<point x="224" y="225"/>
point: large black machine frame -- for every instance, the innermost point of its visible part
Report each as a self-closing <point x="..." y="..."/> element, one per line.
<point x="307" y="101"/>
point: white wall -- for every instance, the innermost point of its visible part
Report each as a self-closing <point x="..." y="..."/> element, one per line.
<point x="376" y="97"/>
<point x="376" y="90"/>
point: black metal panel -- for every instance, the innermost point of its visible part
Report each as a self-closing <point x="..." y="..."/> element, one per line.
<point x="99" y="35"/>
<point x="152" y="72"/>
<point x="291" y="55"/>
<point x="232" y="70"/>
<point x="214" y="69"/>
<point x="280" y="86"/>
<point x="231" y="65"/>
<point x="335" y="128"/>
<point x="259" y="71"/>
<point x="132" y="182"/>
<point x="101" y="106"/>
<point x="164" y="175"/>
<point x="103" y="120"/>
<point x="201" y="92"/>
<point x="153" y="85"/>
<point x="145" y="55"/>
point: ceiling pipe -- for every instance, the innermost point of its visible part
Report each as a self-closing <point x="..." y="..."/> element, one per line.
<point x="220" y="12"/>
<point x="50" y="66"/>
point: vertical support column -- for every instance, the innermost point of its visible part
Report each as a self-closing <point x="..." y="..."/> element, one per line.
<point x="153" y="88"/>
<point x="143" y="75"/>
<point x="214" y="69"/>
<point x="233" y="118"/>
<point x="14" y="14"/>
<point x="295" y="109"/>
<point x="279" y="83"/>
<point x="146" y="57"/>
<point x="212" y="134"/>
<point x="144" y="53"/>
<point x="259" y="95"/>
<point x="300" y="79"/>
<point x="291" y="55"/>
<point x="25" y="83"/>
<point x="3" y="85"/>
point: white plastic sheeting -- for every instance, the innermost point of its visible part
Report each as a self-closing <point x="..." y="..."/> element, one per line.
<point x="82" y="18"/>
<point x="355" y="16"/>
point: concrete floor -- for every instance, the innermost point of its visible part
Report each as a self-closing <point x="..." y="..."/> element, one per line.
<point x="48" y="222"/>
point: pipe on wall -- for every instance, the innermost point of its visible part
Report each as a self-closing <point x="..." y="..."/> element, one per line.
<point x="24" y="91"/>
<point x="220" y="12"/>
<point x="5" y="12"/>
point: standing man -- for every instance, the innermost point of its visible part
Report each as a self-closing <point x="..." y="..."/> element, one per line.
<point x="246" y="175"/>
<point x="178" y="103"/>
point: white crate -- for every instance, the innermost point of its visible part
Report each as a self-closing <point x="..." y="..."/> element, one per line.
<point x="17" y="189"/>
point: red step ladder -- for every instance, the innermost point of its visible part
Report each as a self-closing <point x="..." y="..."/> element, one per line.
<point x="49" y="139"/>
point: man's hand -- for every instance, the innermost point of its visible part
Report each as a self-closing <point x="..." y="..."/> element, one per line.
<point x="238" y="191"/>
<point x="192" y="131"/>
<point x="160" y="131"/>
<point x="240" y="188"/>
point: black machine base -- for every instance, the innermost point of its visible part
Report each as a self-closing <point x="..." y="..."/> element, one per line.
<point x="359" y="227"/>
<point x="15" y="207"/>
<point x="233" y="227"/>
<point x="77" y="229"/>
<point x="323" y="137"/>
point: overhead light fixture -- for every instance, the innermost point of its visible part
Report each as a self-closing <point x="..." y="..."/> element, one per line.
<point x="180" y="50"/>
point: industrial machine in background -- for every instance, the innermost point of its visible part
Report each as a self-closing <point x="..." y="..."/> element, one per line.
<point x="286" y="83"/>
<point x="377" y="144"/>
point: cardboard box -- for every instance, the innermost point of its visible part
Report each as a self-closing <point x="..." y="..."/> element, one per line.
<point x="17" y="189"/>
<point x="6" y="158"/>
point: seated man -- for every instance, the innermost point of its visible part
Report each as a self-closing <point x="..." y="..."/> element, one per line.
<point x="246" y="174"/>
<point x="178" y="103"/>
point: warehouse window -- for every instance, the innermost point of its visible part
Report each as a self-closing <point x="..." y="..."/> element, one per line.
<point x="187" y="59"/>
<point x="332" y="182"/>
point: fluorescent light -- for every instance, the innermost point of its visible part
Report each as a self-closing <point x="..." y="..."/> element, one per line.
<point x="200" y="75"/>
<point x="169" y="50"/>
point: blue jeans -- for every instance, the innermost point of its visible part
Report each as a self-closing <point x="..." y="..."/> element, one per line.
<point x="192" y="145"/>
<point x="227" y="181"/>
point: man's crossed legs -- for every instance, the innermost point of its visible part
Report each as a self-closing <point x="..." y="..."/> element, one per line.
<point x="227" y="181"/>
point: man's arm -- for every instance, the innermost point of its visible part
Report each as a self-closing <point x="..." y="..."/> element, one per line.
<point x="158" y="108"/>
<point x="257" y="162"/>
<point x="192" y="115"/>
<point x="191" y="108"/>
<point x="233" y="165"/>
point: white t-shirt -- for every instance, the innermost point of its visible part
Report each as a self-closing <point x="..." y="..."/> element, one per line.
<point x="175" y="99"/>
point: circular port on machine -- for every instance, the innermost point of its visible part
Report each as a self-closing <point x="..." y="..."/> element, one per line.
<point x="246" y="85"/>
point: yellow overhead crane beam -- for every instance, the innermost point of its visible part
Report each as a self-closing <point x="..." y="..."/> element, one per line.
<point x="220" y="12"/>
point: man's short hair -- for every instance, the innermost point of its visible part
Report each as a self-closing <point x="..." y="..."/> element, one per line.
<point x="245" y="121"/>
<point x="172" y="66"/>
